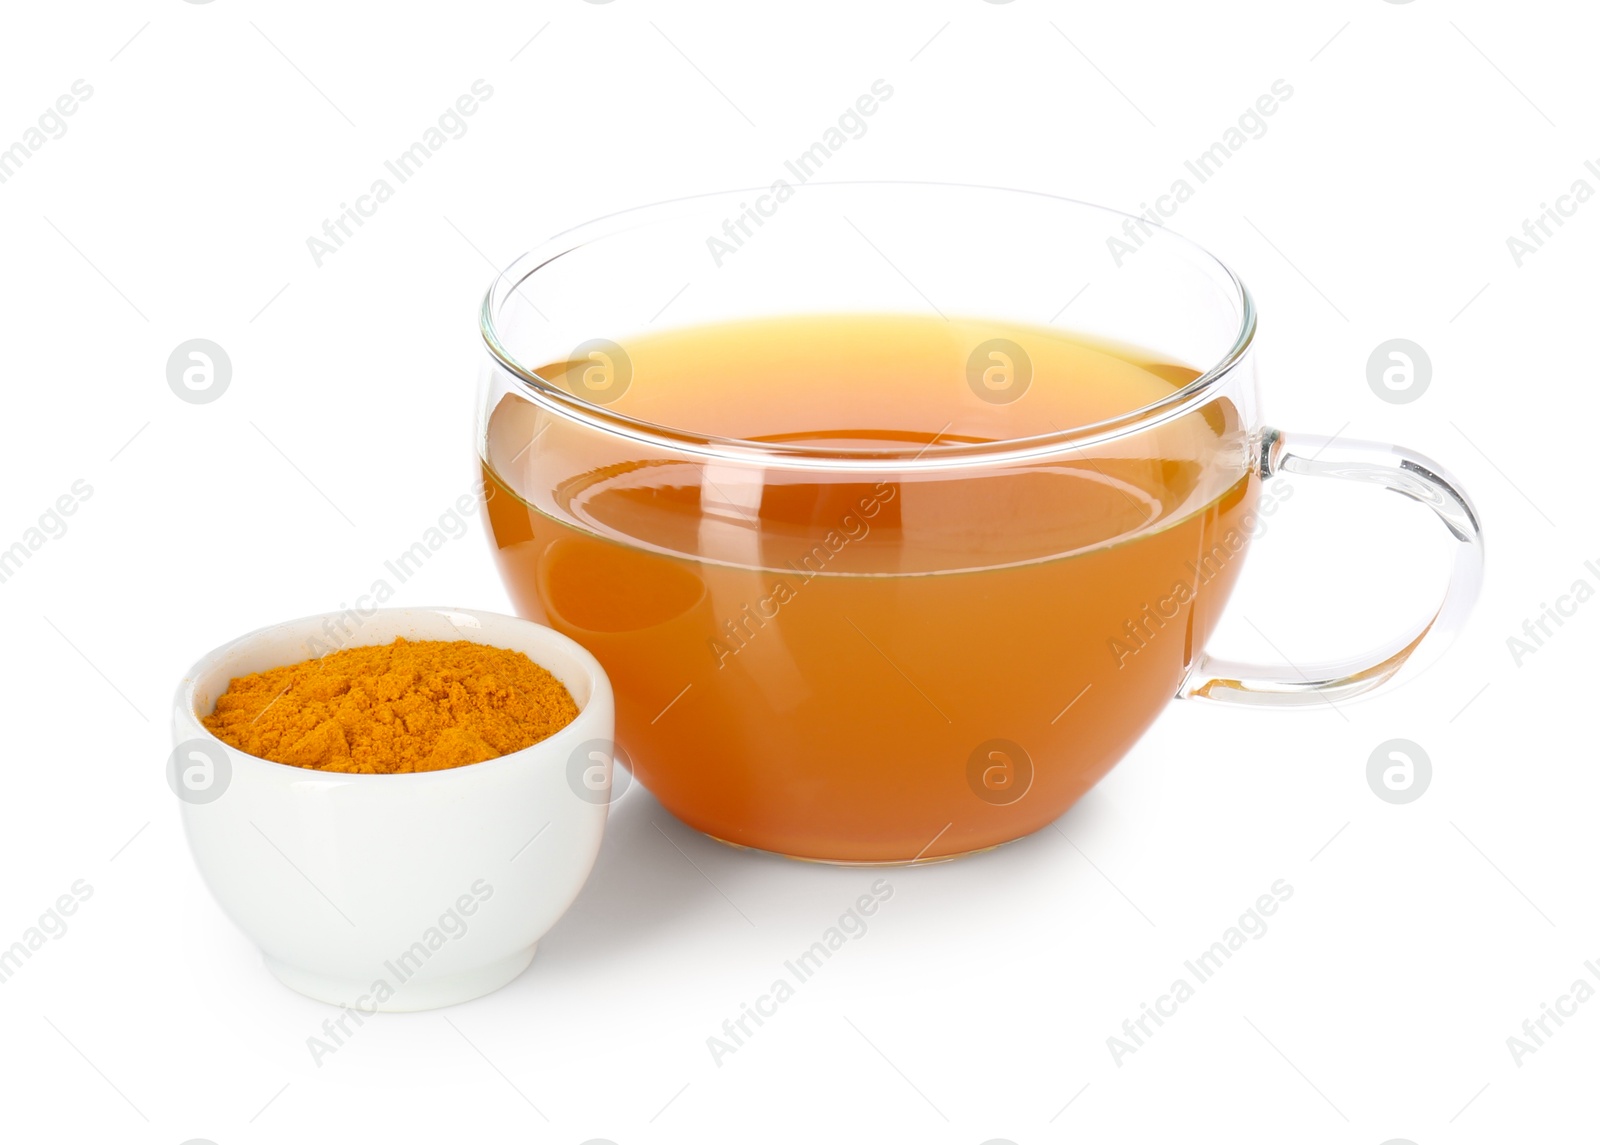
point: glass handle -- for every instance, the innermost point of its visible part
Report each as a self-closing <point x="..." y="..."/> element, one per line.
<point x="1390" y="467"/>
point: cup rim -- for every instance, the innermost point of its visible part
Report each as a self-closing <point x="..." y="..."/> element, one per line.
<point x="796" y="455"/>
<point x="195" y="728"/>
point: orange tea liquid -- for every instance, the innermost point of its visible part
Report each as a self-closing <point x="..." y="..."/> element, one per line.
<point x="874" y="666"/>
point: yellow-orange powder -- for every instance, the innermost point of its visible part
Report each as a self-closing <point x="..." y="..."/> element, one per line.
<point x="419" y="705"/>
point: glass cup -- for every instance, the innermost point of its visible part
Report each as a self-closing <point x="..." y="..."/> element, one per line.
<point x="918" y="614"/>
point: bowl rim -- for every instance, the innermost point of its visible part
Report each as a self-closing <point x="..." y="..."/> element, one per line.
<point x="599" y="690"/>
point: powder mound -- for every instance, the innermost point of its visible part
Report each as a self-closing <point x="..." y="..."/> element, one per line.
<point x="413" y="705"/>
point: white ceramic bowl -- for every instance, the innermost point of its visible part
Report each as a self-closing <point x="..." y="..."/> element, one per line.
<point x="396" y="892"/>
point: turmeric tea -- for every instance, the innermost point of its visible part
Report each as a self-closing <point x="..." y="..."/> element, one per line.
<point x="421" y="705"/>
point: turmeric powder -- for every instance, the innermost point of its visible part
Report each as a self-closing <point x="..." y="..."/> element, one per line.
<point x="420" y="705"/>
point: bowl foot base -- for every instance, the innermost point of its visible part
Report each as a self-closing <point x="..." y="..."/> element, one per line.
<point x="418" y="993"/>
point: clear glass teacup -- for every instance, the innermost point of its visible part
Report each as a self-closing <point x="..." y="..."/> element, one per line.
<point x="892" y="535"/>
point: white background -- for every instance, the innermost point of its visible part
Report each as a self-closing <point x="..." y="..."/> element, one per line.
<point x="1418" y="938"/>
